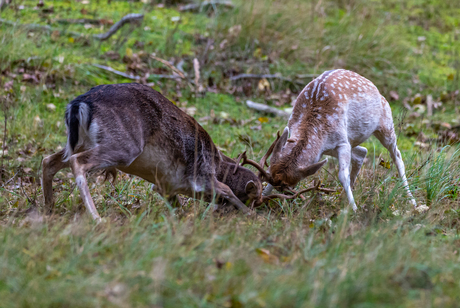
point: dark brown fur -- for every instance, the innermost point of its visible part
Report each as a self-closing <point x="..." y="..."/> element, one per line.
<point x="137" y="130"/>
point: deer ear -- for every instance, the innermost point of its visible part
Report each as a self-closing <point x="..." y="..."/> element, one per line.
<point x="312" y="169"/>
<point x="251" y="188"/>
<point x="281" y="142"/>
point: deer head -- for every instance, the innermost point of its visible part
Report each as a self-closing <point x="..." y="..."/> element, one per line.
<point x="282" y="181"/>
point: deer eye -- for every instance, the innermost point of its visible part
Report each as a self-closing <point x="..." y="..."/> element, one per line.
<point x="291" y="140"/>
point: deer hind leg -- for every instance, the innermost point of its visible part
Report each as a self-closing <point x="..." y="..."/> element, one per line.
<point x="50" y="166"/>
<point x="81" y="164"/>
<point x="358" y="154"/>
<point x="344" y="156"/>
<point x="388" y="140"/>
<point x="225" y="192"/>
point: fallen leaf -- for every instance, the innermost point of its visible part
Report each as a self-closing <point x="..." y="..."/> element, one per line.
<point x="129" y="52"/>
<point x="71" y="40"/>
<point x="394" y="95"/>
<point x="263" y="120"/>
<point x="189" y="110"/>
<point x="417" y="99"/>
<point x="446" y="125"/>
<point x="384" y="164"/>
<point x="37" y="121"/>
<point x="51" y="107"/>
<point x="266" y="256"/>
<point x="263" y="85"/>
<point x="8" y="85"/>
<point x="422" y="208"/>
<point x="234" y="31"/>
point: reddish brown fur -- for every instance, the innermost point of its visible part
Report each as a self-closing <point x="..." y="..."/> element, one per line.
<point x="333" y="115"/>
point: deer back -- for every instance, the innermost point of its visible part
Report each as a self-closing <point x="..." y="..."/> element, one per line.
<point x="152" y="138"/>
<point x="338" y="106"/>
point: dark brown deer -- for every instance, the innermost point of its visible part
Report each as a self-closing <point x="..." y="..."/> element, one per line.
<point x="333" y="115"/>
<point x="135" y="129"/>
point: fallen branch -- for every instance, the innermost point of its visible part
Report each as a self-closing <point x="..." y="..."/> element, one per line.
<point x="266" y="76"/>
<point x="302" y="76"/>
<point x="79" y="21"/>
<point x="202" y="5"/>
<point x="267" y="109"/>
<point x="130" y="18"/>
<point x="134" y="77"/>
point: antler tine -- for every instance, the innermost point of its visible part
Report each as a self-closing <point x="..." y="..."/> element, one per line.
<point x="282" y="196"/>
<point x="294" y="192"/>
<point x="238" y="159"/>
<point x="254" y="164"/>
<point x="263" y="161"/>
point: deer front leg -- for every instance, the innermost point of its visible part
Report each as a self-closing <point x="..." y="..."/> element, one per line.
<point x="358" y="154"/>
<point x="225" y="192"/>
<point x="50" y="166"/>
<point x="344" y="156"/>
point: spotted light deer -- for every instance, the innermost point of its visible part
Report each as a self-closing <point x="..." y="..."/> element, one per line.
<point x="333" y="115"/>
<point x="135" y="129"/>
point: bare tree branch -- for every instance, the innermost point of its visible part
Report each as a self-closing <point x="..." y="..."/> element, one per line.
<point x="267" y="109"/>
<point x="266" y="76"/>
<point x="130" y="18"/>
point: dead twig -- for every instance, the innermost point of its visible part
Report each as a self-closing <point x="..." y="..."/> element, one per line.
<point x="6" y="183"/>
<point x="130" y="18"/>
<point x="134" y="77"/>
<point x="79" y="21"/>
<point x="267" y="109"/>
<point x="198" y="87"/>
<point x="202" y="5"/>
<point x="172" y="67"/>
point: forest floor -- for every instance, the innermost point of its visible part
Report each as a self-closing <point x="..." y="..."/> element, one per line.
<point x="291" y="254"/>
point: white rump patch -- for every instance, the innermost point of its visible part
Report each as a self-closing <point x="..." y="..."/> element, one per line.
<point x="87" y="137"/>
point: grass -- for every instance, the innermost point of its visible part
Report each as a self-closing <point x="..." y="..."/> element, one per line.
<point x="291" y="254"/>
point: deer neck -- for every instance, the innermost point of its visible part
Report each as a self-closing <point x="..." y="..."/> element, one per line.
<point x="307" y="134"/>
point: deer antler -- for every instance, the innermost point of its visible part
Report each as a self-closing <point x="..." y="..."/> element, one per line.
<point x="282" y="196"/>
<point x="247" y="161"/>
<point x="263" y="161"/>
<point x="265" y="199"/>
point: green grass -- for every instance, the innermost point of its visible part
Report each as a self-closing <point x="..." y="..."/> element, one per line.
<point x="291" y="254"/>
